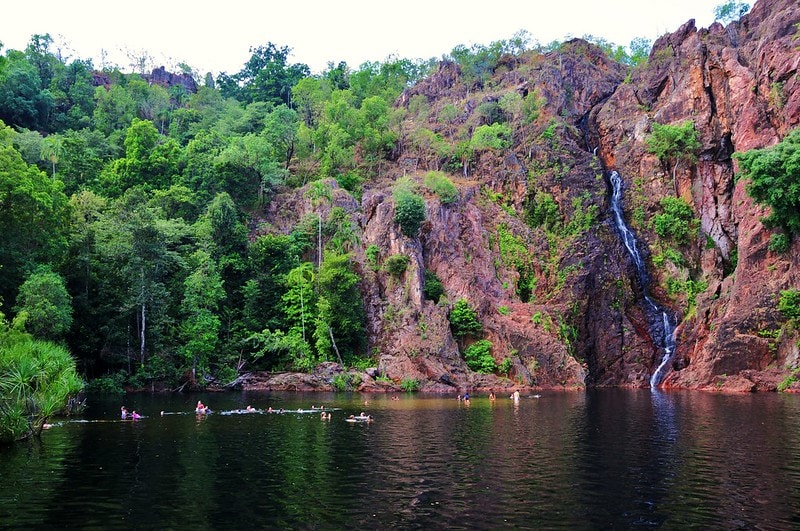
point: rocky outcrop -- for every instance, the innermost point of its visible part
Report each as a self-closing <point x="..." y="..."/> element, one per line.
<point x="160" y="76"/>
<point x="584" y="321"/>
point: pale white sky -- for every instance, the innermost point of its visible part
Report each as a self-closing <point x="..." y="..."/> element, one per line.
<point x="216" y="36"/>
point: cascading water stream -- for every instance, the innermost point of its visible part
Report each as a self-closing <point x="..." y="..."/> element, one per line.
<point x="629" y="240"/>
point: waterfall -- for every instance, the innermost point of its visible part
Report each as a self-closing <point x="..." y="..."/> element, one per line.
<point x="664" y="323"/>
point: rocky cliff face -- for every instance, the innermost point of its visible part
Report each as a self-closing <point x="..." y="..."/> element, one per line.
<point x="739" y="86"/>
<point x="584" y="321"/>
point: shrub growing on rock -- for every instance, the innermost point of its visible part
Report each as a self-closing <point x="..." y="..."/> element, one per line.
<point x="409" y="208"/>
<point x="441" y="185"/>
<point x="479" y="357"/>
<point x="464" y="320"/>
<point x="773" y="181"/>
<point x="396" y="264"/>
<point x="432" y="287"/>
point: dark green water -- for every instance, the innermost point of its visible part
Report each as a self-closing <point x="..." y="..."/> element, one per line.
<point x="599" y="460"/>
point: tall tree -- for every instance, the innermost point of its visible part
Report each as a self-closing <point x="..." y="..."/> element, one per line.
<point x="200" y="328"/>
<point x="267" y="76"/>
<point x="340" y="310"/>
<point x="45" y="304"/>
<point x="151" y="160"/>
<point x="23" y="102"/>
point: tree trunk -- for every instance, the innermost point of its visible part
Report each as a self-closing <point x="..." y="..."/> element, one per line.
<point x="141" y="348"/>
<point x="675" y="176"/>
<point x="302" y="313"/>
<point x="141" y="340"/>
<point x="335" y="348"/>
<point x="319" y="244"/>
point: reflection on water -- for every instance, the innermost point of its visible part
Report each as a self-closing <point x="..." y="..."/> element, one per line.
<point x="603" y="459"/>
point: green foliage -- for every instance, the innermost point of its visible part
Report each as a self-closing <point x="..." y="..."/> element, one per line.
<point x="267" y="76"/>
<point x="568" y="334"/>
<point x="532" y="105"/>
<point x="515" y="254"/>
<point x="477" y="62"/>
<point x="340" y="310"/>
<point x="490" y="112"/>
<point x="789" y="303"/>
<point x="157" y="369"/>
<point x="505" y="366"/>
<point x="113" y="384"/>
<point x="582" y="218"/>
<point x="409" y="385"/>
<point x="676" y="220"/>
<point x="340" y="382"/>
<point x="789" y="381"/>
<point x="674" y="143"/>
<point x="33" y="218"/>
<point x="638" y="51"/>
<point x="690" y="287"/>
<point x="44" y="305"/>
<point x="270" y="260"/>
<point x="200" y="328"/>
<point x="432" y="287"/>
<point x="542" y="211"/>
<point x="779" y="242"/>
<point x="773" y="175"/>
<point x="37" y="380"/>
<point x="409" y="208"/>
<point x="275" y="349"/>
<point x="441" y="185"/>
<point x="730" y="11"/>
<point x="669" y="254"/>
<point x="479" y="357"/>
<point x="511" y="105"/>
<point x="503" y="310"/>
<point x="150" y="160"/>
<point x="464" y="320"/>
<point x="373" y="253"/>
<point x="396" y="264"/>
<point x="495" y="136"/>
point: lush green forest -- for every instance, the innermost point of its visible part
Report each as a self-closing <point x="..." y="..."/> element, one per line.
<point x="128" y="208"/>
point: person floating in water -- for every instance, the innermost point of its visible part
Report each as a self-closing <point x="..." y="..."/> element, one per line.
<point x="201" y="409"/>
<point x="515" y="397"/>
<point x="123" y="413"/>
<point x="135" y="415"/>
<point x="491" y="396"/>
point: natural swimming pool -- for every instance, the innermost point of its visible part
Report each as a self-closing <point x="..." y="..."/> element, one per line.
<point x="599" y="459"/>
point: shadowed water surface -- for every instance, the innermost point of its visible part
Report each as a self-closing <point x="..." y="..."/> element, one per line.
<point x="601" y="459"/>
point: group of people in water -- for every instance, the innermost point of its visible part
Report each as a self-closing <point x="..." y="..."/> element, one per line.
<point x="125" y="415"/>
<point x="492" y="397"/>
<point x="202" y="409"/>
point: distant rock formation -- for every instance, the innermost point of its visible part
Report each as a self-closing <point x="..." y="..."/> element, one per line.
<point x="159" y="76"/>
